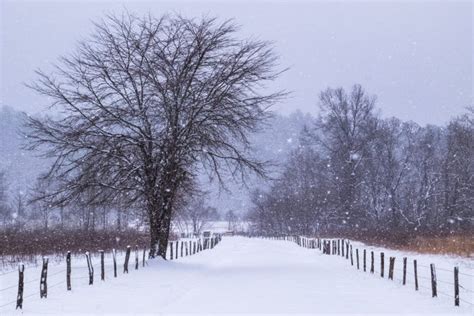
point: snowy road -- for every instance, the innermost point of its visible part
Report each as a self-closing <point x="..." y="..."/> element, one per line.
<point x="244" y="275"/>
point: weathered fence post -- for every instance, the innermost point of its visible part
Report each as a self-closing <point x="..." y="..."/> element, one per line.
<point x="143" y="259"/>
<point x="338" y="247"/>
<point x="127" y="258"/>
<point x="186" y="248"/>
<point x="194" y="247"/>
<point x="68" y="270"/>
<point x="114" y="256"/>
<point x="102" y="265"/>
<point x="456" y="286"/>
<point x="434" y="290"/>
<point x="404" y="270"/>
<point x="342" y="247"/>
<point x="357" y="258"/>
<point x="391" y="267"/>
<point x="90" y="268"/>
<point x="372" y="265"/>
<point x="43" y="280"/>
<point x="136" y="257"/>
<point x="182" y="249"/>
<point x="352" y="258"/>
<point x="19" y="298"/>
<point x="416" y="274"/>
<point x="347" y="250"/>
<point x="365" y="261"/>
<point x="171" y="250"/>
<point x="177" y="248"/>
<point x="382" y="264"/>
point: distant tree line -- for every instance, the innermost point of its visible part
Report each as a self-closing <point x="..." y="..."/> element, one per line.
<point x="355" y="173"/>
<point x="23" y="210"/>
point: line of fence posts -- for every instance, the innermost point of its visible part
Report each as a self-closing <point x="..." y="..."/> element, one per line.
<point x="196" y="246"/>
<point x="344" y="248"/>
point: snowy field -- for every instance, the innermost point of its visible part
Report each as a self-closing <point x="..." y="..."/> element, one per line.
<point x="240" y="276"/>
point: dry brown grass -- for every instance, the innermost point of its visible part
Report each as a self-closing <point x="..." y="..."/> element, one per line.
<point x="450" y="245"/>
<point x="461" y="244"/>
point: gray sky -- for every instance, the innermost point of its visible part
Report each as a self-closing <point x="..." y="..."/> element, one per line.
<point x="417" y="56"/>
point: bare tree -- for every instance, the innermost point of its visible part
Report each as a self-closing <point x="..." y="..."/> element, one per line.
<point x="346" y="125"/>
<point x="145" y="102"/>
<point x="196" y="214"/>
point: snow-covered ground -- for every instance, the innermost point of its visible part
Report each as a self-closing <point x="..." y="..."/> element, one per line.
<point x="240" y="275"/>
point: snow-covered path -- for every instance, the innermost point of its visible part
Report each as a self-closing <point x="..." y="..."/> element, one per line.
<point x="243" y="275"/>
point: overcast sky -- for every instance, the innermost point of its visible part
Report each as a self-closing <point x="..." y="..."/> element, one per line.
<point x="416" y="56"/>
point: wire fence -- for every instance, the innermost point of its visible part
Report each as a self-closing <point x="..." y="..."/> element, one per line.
<point x="426" y="278"/>
<point x="133" y="258"/>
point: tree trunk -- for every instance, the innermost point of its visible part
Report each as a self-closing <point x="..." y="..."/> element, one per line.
<point x="164" y="233"/>
<point x="154" y="231"/>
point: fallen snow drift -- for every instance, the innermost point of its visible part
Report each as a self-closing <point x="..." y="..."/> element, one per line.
<point x="240" y="275"/>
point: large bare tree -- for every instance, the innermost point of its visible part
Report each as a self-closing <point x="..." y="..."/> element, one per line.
<point x="346" y="125"/>
<point x="145" y="102"/>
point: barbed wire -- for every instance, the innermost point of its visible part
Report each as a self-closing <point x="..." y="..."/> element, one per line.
<point x="7" y="288"/>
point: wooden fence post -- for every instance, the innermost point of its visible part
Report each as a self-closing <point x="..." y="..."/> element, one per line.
<point x="416" y="274"/>
<point x="382" y="264"/>
<point x="347" y="250"/>
<point x="68" y="270"/>
<point x="182" y="249"/>
<point x="357" y="258"/>
<point x="186" y="248"/>
<point x="372" y="265"/>
<point x="352" y="258"/>
<point x="456" y="286"/>
<point x="365" y="261"/>
<point x="338" y="247"/>
<point x="127" y="258"/>
<point x="434" y="290"/>
<point x="342" y="247"/>
<point x="90" y="268"/>
<point x="143" y="259"/>
<point x="404" y="270"/>
<point x="43" y="280"/>
<point x="171" y="250"/>
<point x="114" y="256"/>
<point x="391" y="267"/>
<point x="177" y="248"/>
<point x="102" y="265"/>
<point x="19" y="298"/>
<point x="136" y="257"/>
<point x="194" y="247"/>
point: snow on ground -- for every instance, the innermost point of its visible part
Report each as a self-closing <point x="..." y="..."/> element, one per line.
<point x="240" y="275"/>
